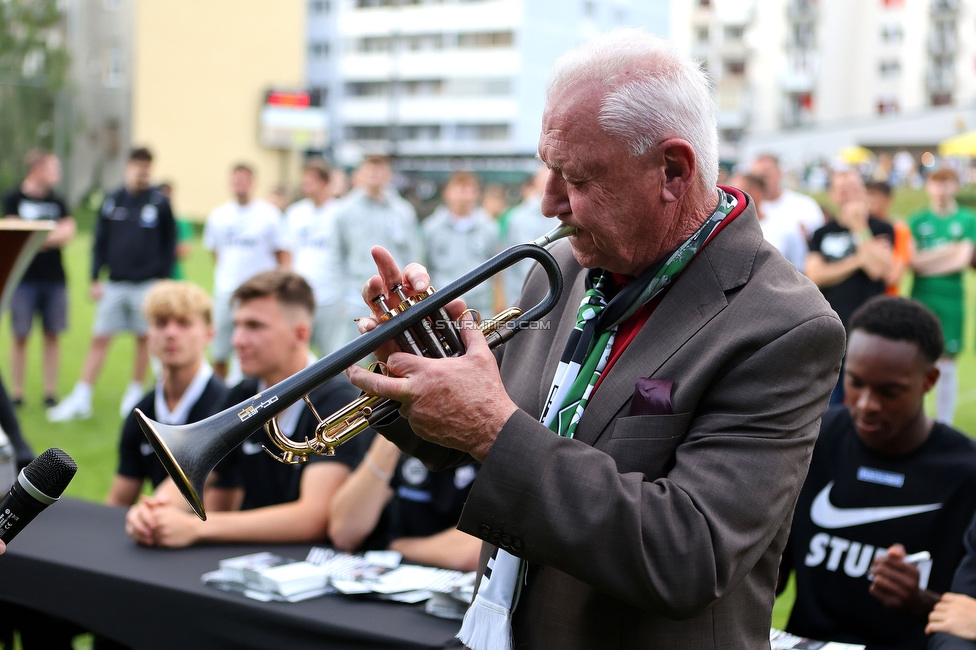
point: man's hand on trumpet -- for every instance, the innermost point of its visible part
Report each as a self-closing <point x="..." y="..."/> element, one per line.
<point x="457" y="402"/>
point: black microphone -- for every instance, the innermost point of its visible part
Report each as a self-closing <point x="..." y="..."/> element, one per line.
<point x="39" y="485"/>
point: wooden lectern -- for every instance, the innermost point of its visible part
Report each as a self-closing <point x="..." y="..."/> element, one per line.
<point x="19" y="241"/>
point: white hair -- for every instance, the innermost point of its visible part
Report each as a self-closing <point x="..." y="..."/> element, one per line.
<point x="653" y="94"/>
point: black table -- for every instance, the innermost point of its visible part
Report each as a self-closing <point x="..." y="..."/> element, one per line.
<point x="75" y="561"/>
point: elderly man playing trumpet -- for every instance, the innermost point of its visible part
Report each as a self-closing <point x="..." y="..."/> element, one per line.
<point x="642" y="448"/>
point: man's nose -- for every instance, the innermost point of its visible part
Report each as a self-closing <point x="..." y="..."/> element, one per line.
<point x="555" y="200"/>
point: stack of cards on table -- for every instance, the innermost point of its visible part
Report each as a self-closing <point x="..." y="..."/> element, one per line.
<point x="268" y="576"/>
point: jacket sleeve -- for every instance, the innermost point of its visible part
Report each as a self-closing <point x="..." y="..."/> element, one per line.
<point x="677" y="544"/>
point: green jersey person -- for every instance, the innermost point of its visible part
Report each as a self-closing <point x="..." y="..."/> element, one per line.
<point x="944" y="237"/>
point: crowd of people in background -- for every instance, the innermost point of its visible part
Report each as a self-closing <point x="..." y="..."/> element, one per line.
<point x="288" y="284"/>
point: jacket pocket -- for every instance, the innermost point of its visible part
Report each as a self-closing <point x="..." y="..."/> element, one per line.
<point x="646" y="443"/>
<point x="651" y="427"/>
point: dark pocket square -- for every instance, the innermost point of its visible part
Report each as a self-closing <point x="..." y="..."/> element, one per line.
<point x="652" y="397"/>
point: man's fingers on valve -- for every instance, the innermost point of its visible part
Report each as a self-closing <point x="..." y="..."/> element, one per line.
<point x="374" y="383"/>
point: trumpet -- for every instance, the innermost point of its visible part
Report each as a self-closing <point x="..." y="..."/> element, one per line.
<point x="418" y="324"/>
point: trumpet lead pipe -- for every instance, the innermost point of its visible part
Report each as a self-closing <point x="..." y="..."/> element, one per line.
<point x="559" y="232"/>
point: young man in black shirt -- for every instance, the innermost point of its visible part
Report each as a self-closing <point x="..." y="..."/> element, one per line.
<point x="135" y="239"/>
<point x="261" y="499"/>
<point x="43" y="289"/>
<point x="878" y="527"/>
<point x="180" y="328"/>
<point x="851" y="256"/>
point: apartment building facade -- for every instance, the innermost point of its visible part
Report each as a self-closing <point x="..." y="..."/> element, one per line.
<point x="445" y="84"/>
<point x="783" y="66"/>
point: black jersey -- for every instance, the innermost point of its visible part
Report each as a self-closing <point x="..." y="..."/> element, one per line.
<point x="136" y="456"/>
<point x="835" y="243"/>
<point x="46" y="265"/>
<point x="424" y="503"/>
<point x="267" y="482"/>
<point x="856" y="503"/>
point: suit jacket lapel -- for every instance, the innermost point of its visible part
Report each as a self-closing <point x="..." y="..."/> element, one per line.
<point x="696" y="297"/>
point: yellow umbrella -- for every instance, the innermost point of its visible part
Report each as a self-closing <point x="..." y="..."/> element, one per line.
<point x="855" y="155"/>
<point x="959" y="146"/>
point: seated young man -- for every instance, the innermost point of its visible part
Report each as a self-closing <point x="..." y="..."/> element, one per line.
<point x="258" y="498"/>
<point x="885" y="481"/>
<point x="179" y="330"/>
<point x="392" y="501"/>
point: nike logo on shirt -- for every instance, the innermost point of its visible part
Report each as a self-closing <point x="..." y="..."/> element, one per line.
<point x="146" y="449"/>
<point x="251" y="448"/>
<point x="826" y="515"/>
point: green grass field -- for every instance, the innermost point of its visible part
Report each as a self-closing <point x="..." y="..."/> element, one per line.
<point x="92" y="443"/>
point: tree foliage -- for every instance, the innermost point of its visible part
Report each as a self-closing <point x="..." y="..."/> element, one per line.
<point x="33" y="71"/>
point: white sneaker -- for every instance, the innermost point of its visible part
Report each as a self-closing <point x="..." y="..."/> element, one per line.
<point x="131" y="397"/>
<point x="70" y="408"/>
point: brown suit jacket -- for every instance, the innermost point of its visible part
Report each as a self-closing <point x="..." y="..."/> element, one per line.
<point x="663" y="531"/>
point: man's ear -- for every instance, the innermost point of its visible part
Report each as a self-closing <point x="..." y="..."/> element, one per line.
<point x="680" y="164"/>
<point x="931" y="378"/>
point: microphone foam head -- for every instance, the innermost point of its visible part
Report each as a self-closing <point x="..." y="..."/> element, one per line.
<point x="51" y="472"/>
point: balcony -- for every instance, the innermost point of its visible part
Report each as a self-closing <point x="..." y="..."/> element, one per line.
<point x="800" y="74"/>
<point x="942" y="44"/>
<point x="801" y="11"/>
<point x="940" y="80"/>
<point x="943" y="8"/>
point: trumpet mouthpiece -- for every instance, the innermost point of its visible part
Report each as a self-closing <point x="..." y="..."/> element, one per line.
<point x="559" y="232"/>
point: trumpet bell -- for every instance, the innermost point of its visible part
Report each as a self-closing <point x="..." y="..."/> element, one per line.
<point x="194" y="462"/>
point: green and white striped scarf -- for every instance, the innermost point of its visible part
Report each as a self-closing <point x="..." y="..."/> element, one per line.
<point x="488" y="622"/>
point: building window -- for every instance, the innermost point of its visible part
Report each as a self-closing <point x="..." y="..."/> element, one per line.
<point x="426" y="132"/>
<point x="734" y="32"/>
<point x="701" y="34"/>
<point x="318" y="7"/>
<point x="735" y="67"/>
<point x="368" y="89"/>
<point x="469" y="132"/>
<point x="803" y="36"/>
<point x="112" y="75"/>
<point x="372" y="44"/>
<point x="704" y="3"/>
<point x="423" y="88"/>
<point x="485" y="39"/>
<point x="589" y="9"/>
<point x="424" y="42"/>
<point x="367" y="133"/>
<point x="887" y="106"/>
<point x="890" y="69"/>
<point x="891" y="34"/>
<point x="318" y="49"/>
<point x="940" y="99"/>
<point x="480" y="87"/>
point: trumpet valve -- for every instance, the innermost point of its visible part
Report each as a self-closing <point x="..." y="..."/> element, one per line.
<point x="287" y="457"/>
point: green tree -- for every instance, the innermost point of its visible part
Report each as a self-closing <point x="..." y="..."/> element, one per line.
<point x="33" y="72"/>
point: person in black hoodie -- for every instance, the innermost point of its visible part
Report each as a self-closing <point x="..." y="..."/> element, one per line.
<point x="135" y="240"/>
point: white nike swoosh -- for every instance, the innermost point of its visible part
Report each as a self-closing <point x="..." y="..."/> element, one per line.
<point x="251" y="448"/>
<point x="826" y="515"/>
<point x="146" y="449"/>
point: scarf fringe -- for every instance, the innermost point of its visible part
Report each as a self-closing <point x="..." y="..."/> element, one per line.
<point x="486" y="626"/>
